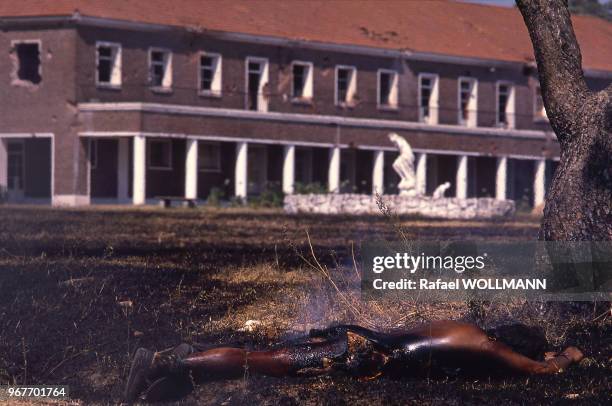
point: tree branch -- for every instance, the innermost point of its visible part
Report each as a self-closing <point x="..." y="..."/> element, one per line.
<point x="559" y="61"/>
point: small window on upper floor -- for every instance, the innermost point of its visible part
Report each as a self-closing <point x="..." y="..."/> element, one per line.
<point x="160" y="154"/>
<point x="160" y="69"/>
<point x="539" y="112"/>
<point x="428" y="98"/>
<point x="209" y="156"/>
<point x="28" y="62"/>
<point x="210" y="74"/>
<point x="467" y="102"/>
<point x="257" y="84"/>
<point x="301" y="89"/>
<point x="108" y="64"/>
<point x="346" y="85"/>
<point x="387" y="89"/>
<point x="505" y="105"/>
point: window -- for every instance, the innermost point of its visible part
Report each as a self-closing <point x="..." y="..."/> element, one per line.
<point x="160" y="69"/>
<point x="302" y="80"/>
<point x="210" y="74"/>
<point x="160" y="154"/>
<point x="28" y="62"/>
<point x="209" y="157"/>
<point x="428" y="98"/>
<point x="108" y="64"/>
<point x="93" y="153"/>
<point x="467" y="102"/>
<point x="387" y="88"/>
<point x="346" y="85"/>
<point x="539" y="112"/>
<point x="505" y="105"/>
<point x="257" y="83"/>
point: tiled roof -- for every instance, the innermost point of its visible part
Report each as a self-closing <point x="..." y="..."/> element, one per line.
<point x="439" y="27"/>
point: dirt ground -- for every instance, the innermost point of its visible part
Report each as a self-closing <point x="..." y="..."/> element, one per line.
<point x="80" y="290"/>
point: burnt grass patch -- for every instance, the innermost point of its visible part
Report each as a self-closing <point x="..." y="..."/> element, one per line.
<point x="80" y="290"/>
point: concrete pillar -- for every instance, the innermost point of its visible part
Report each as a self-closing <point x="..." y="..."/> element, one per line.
<point x="421" y="173"/>
<point x="378" y="173"/>
<point x="539" y="182"/>
<point x="139" y="194"/>
<point x="333" y="174"/>
<point x="289" y="169"/>
<point x="191" y="169"/>
<point x="123" y="172"/>
<point x="3" y="166"/>
<point x="500" y="178"/>
<point x="241" y="176"/>
<point x="462" y="177"/>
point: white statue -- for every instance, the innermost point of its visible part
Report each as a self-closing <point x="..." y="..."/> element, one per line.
<point x="440" y="190"/>
<point x="404" y="166"/>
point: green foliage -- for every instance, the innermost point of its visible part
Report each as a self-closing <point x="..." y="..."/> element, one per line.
<point x="215" y="196"/>
<point x="271" y="196"/>
<point x="310" y="188"/>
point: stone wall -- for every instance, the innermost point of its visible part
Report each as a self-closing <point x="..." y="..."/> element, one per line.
<point x="424" y="206"/>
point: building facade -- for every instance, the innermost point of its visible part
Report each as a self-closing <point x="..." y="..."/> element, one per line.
<point x="119" y="110"/>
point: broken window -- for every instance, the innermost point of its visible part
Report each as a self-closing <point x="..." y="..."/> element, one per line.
<point x="467" y="102"/>
<point x="28" y="58"/>
<point x="505" y="105"/>
<point x="160" y="68"/>
<point x="387" y="88"/>
<point x="209" y="156"/>
<point x="160" y="154"/>
<point x="302" y="80"/>
<point x="345" y="84"/>
<point x="108" y="64"/>
<point x="210" y="74"/>
<point x="428" y="98"/>
<point x="257" y="80"/>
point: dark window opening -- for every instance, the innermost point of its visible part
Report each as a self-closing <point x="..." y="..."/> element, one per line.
<point x="342" y="85"/>
<point x="157" y="68"/>
<point x="207" y="69"/>
<point x="160" y="154"/>
<point x="93" y="153"/>
<point x="502" y="104"/>
<point x="426" y="89"/>
<point x="29" y="63"/>
<point x="466" y="92"/>
<point x="384" y="96"/>
<point x="254" y="84"/>
<point x="299" y="80"/>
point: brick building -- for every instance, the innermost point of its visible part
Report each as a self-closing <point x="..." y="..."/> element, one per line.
<point x="121" y="101"/>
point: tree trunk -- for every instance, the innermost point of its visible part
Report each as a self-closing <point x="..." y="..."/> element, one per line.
<point x="579" y="201"/>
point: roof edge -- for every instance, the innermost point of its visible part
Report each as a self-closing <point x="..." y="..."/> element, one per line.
<point x="84" y="20"/>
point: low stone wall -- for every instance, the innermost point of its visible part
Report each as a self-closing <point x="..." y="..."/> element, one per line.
<point x="424" y="206"/>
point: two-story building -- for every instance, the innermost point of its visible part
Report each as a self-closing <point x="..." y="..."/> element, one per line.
<point x="123" y="101"/>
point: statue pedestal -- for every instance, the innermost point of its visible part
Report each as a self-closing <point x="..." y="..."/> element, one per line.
<point x="419" y="206"/>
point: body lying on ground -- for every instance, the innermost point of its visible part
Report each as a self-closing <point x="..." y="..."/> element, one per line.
<point x="435" y="348"/>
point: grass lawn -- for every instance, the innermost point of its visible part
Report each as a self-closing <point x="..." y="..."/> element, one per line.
<point x="81" y="289"/>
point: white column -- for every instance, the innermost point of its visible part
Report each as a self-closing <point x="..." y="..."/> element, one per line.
<point x="539" y="182"/>
<point x="191" y="169"/>
<point x="241" y="176"/>
<point x="462" y="177"/>
<point x="140" y="170"/>
<point x="378" y="173"/>
<point x="333" y="174"/>
<point x="289" y="169"/>
<point x="3" y="166"/>
<point x="123" y="172"/>
<point x="500" y="178"/>
<point x="421" y="173"/>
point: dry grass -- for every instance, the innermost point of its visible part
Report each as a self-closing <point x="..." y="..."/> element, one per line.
<point x="81" y="289"/>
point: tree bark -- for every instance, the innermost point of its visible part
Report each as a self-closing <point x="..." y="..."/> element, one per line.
<point x="579" y="201"/>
